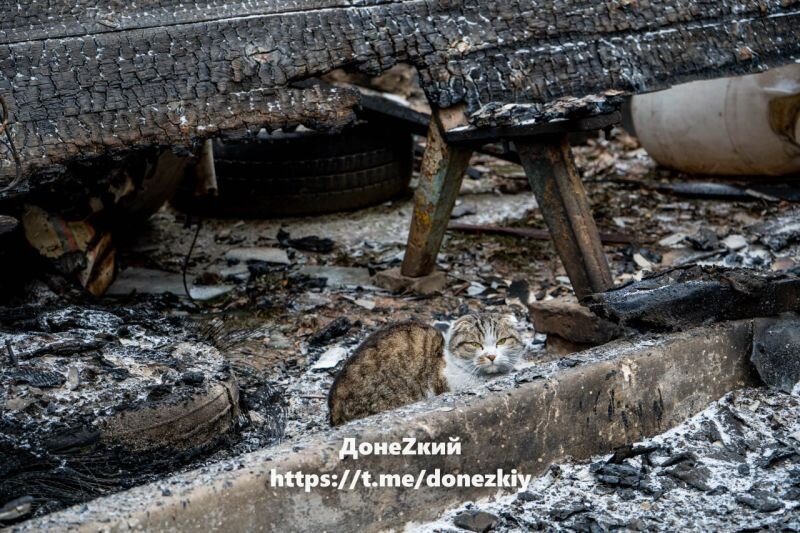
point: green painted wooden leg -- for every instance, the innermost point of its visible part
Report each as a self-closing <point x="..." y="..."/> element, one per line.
<point x="440" y="180"/>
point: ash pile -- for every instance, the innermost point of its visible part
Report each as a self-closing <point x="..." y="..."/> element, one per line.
<point x="733" y="467"/>
<point x="96" y="399"/>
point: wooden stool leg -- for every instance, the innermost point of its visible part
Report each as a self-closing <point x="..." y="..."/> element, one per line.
<point x="566" y="210"/>
<point x="443" y="168"/>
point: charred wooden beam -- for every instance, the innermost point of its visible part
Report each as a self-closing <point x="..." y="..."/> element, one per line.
<point x="84" y="77"/>
<point x="685" y="297"/>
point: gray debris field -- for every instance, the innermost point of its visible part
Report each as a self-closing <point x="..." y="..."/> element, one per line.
<point x="733" y="467"/>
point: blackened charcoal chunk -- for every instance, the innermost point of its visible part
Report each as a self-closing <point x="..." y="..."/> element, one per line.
<point x="776" y="351"/>
<point x="679" y="458"/>
<point x="693" y="475"/>
<point x="621" y="475"/>
<point x="705" y="239"/>
<point x="479" y="521"/>
<point x="334" y="330"/>
<point x="562" y="513"/>
<point x="528" y="496"/>
<point x="626" y="494"/>
<point x="37" y="378"/>
<point x="587" y="524"/>
<point x="192" y="378"/>
<point x="760" y="500"/>
<point x="792" y="494"/>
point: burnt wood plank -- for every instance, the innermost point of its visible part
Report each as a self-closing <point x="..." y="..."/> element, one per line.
<point x="82" y="77"/>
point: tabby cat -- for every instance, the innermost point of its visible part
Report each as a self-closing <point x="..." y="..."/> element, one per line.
<point x="408" y="362"/>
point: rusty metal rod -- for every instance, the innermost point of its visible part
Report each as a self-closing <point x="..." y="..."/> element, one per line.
<point x="533" y="233"/>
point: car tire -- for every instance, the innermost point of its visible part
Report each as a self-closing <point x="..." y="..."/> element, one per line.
<point x="304" y="174"/>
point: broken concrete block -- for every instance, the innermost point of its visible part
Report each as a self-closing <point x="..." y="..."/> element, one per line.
<point x="394" y="281"/>
<point x="572" y="322"/>
<point x="776" y="351"/>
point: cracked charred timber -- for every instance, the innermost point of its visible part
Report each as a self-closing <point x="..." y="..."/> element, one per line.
<point x="83" y="78"/>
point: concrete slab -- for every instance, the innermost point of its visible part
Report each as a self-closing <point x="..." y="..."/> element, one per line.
<point x="613" y="395"/>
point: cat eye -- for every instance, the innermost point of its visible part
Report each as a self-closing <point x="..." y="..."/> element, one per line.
<point x="504" y="340"/>
<point x="476" y="345"/>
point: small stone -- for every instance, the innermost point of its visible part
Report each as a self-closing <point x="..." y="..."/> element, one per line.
<point x="641" y="262"/>
<point x="18" y="404"/>
<point x="782" y="263"/>
<point x="476" y="289"/>
<point x="73" y="378"/>
<point x="479" y="521"/>
<point x="329" y="359"/>
<point x="461" y="211"/>
<point x="367" y="304"/>
<point x="672" y="240"/>
<point x="735" y="242"/>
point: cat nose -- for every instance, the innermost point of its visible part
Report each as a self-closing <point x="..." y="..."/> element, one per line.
<point x="491" y="357"/>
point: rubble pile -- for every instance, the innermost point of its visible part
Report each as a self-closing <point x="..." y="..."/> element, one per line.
<point x="733" y="467"/>
<point x="96" y="399"/>
<point x="274" y="307"/>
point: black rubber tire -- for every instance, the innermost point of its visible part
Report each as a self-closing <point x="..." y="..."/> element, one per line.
<point x="304" y="174"/>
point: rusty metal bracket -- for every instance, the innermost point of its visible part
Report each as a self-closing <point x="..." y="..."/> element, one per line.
<point x="443" y="167"/>
<point x="565" y="206"/>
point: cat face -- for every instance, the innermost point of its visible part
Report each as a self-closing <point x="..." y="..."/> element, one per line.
<point x="485" y="344"/>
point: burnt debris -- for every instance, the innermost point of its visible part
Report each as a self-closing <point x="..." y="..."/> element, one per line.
<point x="97" y="400"/>
<point x="501" y="69"/>
<point x="696" y="295"/>
<point x="776" y="351"/>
